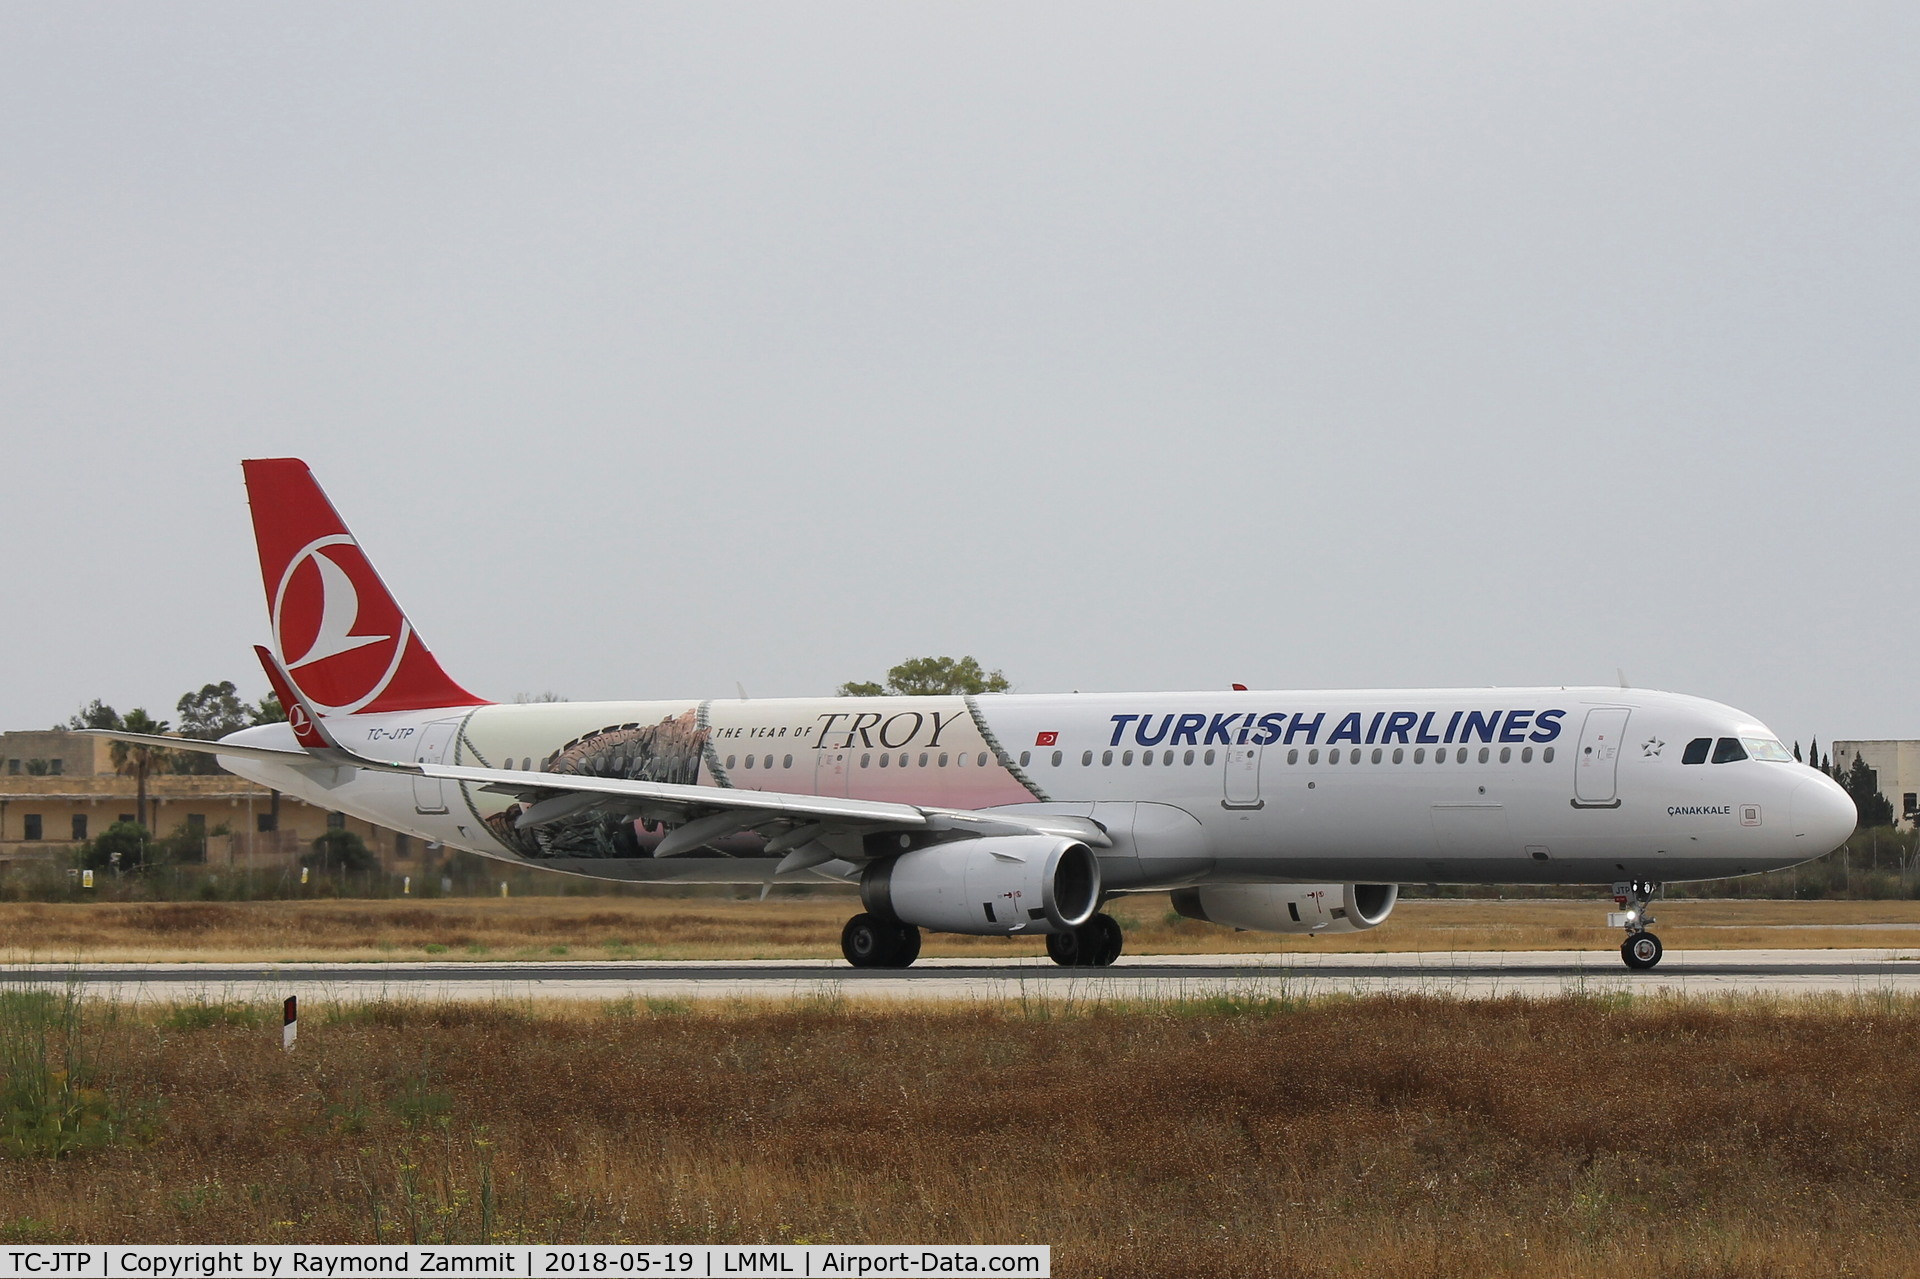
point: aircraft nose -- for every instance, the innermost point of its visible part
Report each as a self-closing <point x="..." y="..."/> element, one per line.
<point x="1823" y="813"/>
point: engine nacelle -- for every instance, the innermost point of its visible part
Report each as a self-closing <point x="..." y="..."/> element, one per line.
<point x="994" y="886"/>
<point x="1290" y="908"/>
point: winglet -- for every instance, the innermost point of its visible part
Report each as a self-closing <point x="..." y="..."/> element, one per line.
<point x="300" y="717"/>
<point x="338" y="633"/>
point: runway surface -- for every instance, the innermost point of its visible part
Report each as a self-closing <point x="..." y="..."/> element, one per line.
<point x="1476" y="974"/>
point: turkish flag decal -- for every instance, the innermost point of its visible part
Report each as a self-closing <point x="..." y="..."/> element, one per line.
<point x="1047" y="739"/>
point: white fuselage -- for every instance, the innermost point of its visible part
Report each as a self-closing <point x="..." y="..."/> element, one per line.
<point x="1539" y="785"/>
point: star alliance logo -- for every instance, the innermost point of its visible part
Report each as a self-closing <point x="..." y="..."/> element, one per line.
<point x="1651" y="747"/>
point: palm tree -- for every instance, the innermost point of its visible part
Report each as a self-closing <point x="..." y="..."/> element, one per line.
<point x="135" y="759"/>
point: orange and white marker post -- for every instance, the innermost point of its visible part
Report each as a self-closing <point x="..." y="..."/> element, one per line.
<point x="289" y="1022"/>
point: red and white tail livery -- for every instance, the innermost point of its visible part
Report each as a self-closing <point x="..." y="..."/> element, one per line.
<point x="338" y="631"/>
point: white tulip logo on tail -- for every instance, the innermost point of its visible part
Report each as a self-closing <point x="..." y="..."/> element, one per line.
<point x="338" y="633"/>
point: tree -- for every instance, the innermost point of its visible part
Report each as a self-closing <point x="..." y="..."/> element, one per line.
<point x="345" y="849"/>
<point x="931" y="676"/>
<point x="128" y="839"/>
<point x="268" y="710"/>
<point x="1796" y="751"/>
<point x="136" y="759"/>
<point x="95" y="714"/>
<point x="1863" y="784"/>
<point x="209" y="715"/>
<point x="213" y="712"/>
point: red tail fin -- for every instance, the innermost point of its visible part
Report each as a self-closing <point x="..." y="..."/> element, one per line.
<point x="337" y="631"/>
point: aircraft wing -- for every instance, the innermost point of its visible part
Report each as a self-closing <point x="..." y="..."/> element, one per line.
<point x="813" y="828"/>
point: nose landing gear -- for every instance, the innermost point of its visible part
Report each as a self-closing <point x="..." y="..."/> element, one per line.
<point x="1641" y="950"/>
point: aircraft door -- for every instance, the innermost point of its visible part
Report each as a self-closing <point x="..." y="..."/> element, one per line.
<point x="1596" y="765"/>
<point x="429" y="793"/>
<point x="830" y="773"/>
<point x="1243" y="778"/>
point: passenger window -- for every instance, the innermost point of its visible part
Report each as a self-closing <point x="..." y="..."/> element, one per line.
<point x="1355" y="757"/>
<point x="982" y="761"/>
<point x="1313" y="756"/>
<point x="787" y="762"/>
<point x="923" y="759"/>
<point x="1526" y="754"/>
<point x="1546" y="754"/>
<point x="1333" y="757"/>
<point x="1398" y="754"/>
<point x="1377" y="754"/>
<point x="729" y="761"/>
<point x="1188" y="759"/>
<point x="1057" y="757"/>
<point x="1106" y="759"/>
<point x="1696" y="752"/>
<point x="1485" y="751"/>
<point x="1126" y="757"/>
<point x="1506" y="754"/>
<point x="1293" y="756"/>
<point x="1026" y="757"/>
<point x="865" y="760"/>
<point x="1167" y="759"/>
<point x="1086" y="759"/>
<point x="749" y="761"/>
<point x="886" y="761"/>
<point x="1728" y="751"/>
<point x="943" y="759"/>
<point x="1461" y="757"/>
<point x="1207" y="758"/>
<point x="1146" y="758"/>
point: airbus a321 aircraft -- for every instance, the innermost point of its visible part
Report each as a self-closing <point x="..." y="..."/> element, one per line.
<point x="1010" y="815"/>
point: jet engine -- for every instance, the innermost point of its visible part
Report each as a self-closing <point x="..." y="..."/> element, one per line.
<point x="992" y="886"/>
<point x="1290" y="908"/>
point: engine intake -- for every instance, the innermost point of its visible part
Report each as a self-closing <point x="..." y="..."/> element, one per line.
<point x="1290" y="908"/>
<point x="993" y="886"/>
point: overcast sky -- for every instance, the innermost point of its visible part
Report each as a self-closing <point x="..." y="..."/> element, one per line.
<point x="651" y="349"/>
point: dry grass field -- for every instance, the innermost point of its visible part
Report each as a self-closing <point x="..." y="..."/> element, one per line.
<point x="1396" y="1135"/>
<point x="809" y="927"/>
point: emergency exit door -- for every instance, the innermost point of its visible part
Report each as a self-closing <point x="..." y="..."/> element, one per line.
<point x="1242" y="778"/>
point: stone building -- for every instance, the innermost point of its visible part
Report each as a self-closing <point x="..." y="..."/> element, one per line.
<point x="59" y="789"/>
<point x="1896" y="768"/>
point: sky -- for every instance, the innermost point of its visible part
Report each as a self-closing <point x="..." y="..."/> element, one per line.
<point x="659" y="351"/>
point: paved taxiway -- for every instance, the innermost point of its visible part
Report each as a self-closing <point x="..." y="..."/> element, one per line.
<point x="1466" y="974"/>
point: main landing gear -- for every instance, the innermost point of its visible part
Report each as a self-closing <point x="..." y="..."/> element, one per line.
<point x="869" y="941"/>
<point x="1094" y="944"/>
<point x="1641" y="949"/>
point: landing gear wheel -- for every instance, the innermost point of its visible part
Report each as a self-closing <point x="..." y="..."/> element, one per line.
<point x="1094" y="944"/>
<point x="1635" y="897"/>
<point x="864" y="941"/>
<point x="869" y="941"/>
<point x="1641" y="950"/>
<point x="1064" y="948"/>
<point x="906" y="947"/>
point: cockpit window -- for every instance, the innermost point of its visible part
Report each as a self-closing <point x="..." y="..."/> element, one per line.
<point x="1697" y="751"/>
<point x="1767" y="748"/>
<point x="1728" y="750"/>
